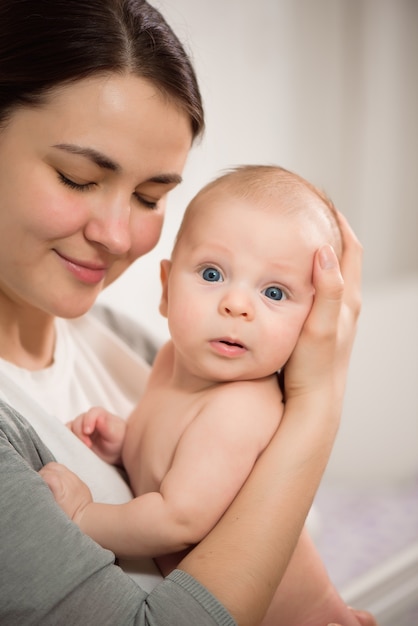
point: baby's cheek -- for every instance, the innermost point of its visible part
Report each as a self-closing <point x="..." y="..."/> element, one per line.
<point x="294" y="331"/>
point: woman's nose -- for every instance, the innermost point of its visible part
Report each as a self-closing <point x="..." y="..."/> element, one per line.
<point x="109" y="226"/>
<point x="237" y="303"/>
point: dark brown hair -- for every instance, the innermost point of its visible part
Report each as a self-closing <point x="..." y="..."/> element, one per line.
<point x="46" y="43"/>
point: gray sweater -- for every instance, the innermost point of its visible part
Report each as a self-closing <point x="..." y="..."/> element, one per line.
<point x="53" y="574"/>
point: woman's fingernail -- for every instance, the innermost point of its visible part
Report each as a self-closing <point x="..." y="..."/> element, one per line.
<point x="327" y="260"/>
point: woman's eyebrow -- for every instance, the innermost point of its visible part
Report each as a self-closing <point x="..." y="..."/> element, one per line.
<point x="166" y="179"/>
<point x="93" y="155"/>
<point x="103" y="161"/>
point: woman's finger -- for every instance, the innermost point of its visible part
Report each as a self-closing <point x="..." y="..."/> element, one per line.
<point x="351" y="265"/>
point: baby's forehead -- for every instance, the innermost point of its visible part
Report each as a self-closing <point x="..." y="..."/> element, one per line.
<point x="288" y="199"/>
<point x="285" y="196"/>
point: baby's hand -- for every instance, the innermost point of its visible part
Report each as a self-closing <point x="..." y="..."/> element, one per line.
<point x="101" y="431"/>
<point x="70" y="493"/>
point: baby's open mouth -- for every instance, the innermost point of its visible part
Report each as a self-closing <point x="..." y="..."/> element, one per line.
<point x="231" y="343"/>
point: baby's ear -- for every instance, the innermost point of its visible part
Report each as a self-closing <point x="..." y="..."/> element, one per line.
<point x="165" y="267"/>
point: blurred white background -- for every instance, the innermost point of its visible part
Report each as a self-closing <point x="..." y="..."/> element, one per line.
<point x="329" y="89"/>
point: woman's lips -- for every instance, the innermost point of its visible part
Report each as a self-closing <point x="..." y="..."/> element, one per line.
<point x="228" y="347"/>
<point x="85" y="271"/>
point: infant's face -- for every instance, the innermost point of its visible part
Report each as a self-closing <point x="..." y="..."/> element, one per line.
<point x="240" y="288"/>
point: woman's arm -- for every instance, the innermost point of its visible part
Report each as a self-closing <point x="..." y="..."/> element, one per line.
<point x="253" y="542"/>
<point x="53" y="574"/>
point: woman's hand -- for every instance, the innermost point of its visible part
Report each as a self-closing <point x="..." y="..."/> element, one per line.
<point x="69" y="491"/>
<point x="365" y="619"/>
<point x="321" y="357"/>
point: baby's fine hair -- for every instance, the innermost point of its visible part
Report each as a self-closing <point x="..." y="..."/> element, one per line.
<point x="262" y="182"/>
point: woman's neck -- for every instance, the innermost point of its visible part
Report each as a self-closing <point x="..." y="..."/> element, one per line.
<point x="27" y="336"/>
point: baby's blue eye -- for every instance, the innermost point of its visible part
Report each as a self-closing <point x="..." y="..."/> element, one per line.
<point x="274" y="293"/>
<point x="212" y="275"/>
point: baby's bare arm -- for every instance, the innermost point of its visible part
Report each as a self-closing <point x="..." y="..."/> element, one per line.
<point x="211" y="462"/>
<point x="218" y="450"/>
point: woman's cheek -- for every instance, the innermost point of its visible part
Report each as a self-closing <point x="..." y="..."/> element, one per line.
<point x="145" y="233"/>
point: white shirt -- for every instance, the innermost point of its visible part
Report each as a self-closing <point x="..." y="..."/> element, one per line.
<point x="91" y="366"/>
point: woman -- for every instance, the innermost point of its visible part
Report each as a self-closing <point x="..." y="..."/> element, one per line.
<point x="99" y="107"/>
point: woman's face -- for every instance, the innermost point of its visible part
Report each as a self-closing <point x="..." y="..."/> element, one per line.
<point x="83" y="185"/>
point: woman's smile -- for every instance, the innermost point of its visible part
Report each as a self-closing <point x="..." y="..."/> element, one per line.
<point x="85" y="271"/>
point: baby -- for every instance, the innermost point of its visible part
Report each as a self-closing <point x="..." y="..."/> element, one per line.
<point x="236" y="293"/>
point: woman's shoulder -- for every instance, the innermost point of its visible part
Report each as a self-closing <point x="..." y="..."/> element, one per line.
<point x="16" y="432"/>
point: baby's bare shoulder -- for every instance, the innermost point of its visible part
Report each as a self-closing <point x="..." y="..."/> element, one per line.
<point x="249" y="399"/>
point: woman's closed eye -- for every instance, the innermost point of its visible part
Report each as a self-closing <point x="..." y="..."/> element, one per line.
<point x="72" y="184"/>
<point x="148" y="204"/>
<point x="68" y="182"/>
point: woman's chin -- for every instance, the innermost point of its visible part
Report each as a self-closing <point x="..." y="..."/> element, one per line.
<point x="72" y="307"/>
